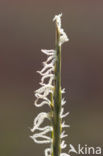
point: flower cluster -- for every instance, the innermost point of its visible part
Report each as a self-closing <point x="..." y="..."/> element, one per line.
<point x="43" y="94"/>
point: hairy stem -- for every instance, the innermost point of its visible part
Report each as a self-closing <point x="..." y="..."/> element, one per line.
<point x="57" y="99"/>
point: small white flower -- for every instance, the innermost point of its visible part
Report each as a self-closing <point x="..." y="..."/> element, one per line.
<point x="63" y="145"/>
<point x="42" y="135"/>
<point x="63" y="102"/>
<point x="63" y="135"/>
<point x="57" y="18"/>
<point x="64" y="125"/>
<point x="63" y="36"/>
<point x="41" y="103"/>
<point x="63" y="115"/>
<point x="39" y="120"/>
<point x="48" y="52"/>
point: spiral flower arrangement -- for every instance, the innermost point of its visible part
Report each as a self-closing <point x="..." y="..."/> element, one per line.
<point x="50" y="93"/>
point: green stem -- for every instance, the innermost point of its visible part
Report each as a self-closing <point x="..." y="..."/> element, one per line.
<point x="57" y="100"/>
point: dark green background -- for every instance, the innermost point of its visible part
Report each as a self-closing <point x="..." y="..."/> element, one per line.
<point x="25" y="27"/>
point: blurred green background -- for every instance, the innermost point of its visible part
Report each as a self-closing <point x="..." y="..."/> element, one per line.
<point x="25" y="27"/>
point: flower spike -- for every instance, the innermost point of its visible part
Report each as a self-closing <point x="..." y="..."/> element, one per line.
<point x="50" y="93"/>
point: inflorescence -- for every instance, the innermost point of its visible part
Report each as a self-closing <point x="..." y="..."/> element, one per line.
<point x="43" y="94"/>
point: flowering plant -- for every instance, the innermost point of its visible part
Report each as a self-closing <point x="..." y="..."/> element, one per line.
<point x="50" y="93"/>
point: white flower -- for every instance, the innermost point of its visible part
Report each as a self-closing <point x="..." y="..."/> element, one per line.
<point x="63" y="115"/>
<point x="63" y="135"/>
<point x="63" y="36"/>
<point x="63" y="145"/>
<point x="42" y="135"/>
<point x="64" y="125"/>
<point x="39" y="120"/>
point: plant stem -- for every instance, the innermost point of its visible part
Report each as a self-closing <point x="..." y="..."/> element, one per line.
<point x="57" y="99"/>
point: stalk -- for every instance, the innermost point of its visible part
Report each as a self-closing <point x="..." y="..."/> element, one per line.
<point x="57" y="99"/>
